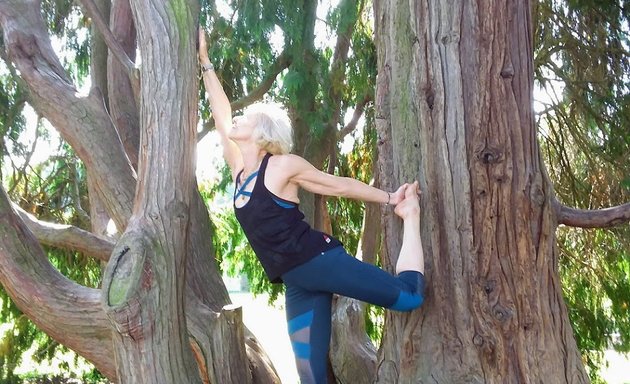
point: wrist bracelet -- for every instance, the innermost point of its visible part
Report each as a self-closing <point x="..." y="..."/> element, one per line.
<point x="207" y="67"/>
<point x="389" y="196"/>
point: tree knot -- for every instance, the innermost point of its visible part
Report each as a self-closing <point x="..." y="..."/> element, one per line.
<point x="490" y="155"/>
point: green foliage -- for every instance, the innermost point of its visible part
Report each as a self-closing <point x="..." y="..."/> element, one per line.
<point x="595" y="276"/>
<point x="237" y="257"/>
<point x="12" y="122"/>
<point x="69" y="32"/>
<point x="14" y="341"/>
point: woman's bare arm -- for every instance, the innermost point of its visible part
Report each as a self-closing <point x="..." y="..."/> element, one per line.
<point x="221" y="110"/>
<point x="304" y="174"/>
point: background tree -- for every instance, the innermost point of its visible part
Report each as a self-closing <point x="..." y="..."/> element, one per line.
<point x="582" y="60"/>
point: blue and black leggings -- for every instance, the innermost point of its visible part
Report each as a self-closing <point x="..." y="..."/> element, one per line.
<point x="309" y="290"/>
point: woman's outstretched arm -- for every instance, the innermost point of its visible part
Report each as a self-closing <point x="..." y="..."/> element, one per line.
<point x="220" y="105"/>
<point x="304" y="174"/>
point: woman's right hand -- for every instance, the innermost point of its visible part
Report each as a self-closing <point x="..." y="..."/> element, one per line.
<point x="399" y="195"/>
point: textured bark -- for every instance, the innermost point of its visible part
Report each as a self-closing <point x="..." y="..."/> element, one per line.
<point x="454" y="103"/>
<point x="123" y="100"/>
<point x="144" y="283"/>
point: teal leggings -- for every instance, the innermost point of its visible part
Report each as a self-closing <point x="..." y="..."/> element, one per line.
<point x="309" y="290"/>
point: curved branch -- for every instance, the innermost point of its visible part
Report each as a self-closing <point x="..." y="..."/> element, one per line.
<point x="67" y="236"/>
<point x="282" y="62"/>
<point x="68" y="312"/>
<point x="358" y="112"/>
<point x="92" y="10"/>
<point x="597" y="218"/>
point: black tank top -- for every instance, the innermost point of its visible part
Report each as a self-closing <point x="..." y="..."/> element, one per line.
<point x="276" y="230"/>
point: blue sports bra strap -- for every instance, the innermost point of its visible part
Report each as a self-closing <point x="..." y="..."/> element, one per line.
<point x="236" y="183"/>
<point x="248" y="180"/>
<point x="241" y="190"/>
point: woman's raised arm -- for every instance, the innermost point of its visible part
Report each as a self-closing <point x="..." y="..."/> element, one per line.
<point x="220" y="105"/>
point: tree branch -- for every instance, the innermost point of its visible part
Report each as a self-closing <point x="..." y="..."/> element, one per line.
<point x="44" y="295"/>
<point x="67" y="236"/>
<point x="83" y="121"/>
<point x="282" y="62"/>
<point x="358" y="112"/>
<point x="92" y="10"/>
<point x="598" y="218"/>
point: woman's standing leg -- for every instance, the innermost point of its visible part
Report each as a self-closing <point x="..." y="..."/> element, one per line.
<point x="308" y="321"/>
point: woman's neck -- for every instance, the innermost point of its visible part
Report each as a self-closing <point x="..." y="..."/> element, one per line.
<point x="252" y="157"/>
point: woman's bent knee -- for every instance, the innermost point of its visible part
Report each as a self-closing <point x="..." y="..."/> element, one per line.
<point x="407" y="302"/>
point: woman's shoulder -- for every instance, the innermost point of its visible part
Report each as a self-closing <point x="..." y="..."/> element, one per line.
<point x="288" y="159"/>
<point x="288" y="164"/>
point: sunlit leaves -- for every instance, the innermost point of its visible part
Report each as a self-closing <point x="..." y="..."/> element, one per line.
<point x="595" y="275"/>
<point x="70" y="36"/>
<point x="12" y="101"/>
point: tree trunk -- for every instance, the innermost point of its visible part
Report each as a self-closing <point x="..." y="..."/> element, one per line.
<point x="143" y="286"/>
<point x="123" y="101"/>
<point x="454" y="107"/>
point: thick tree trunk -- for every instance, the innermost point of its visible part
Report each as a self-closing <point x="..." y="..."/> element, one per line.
<point x="144" y="283"/>
<point x="454" y="102"/>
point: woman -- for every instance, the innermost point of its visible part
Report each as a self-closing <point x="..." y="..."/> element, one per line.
<point x="311" y="264"/>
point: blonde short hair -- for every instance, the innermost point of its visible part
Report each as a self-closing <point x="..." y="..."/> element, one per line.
<point x="273" y="130"/>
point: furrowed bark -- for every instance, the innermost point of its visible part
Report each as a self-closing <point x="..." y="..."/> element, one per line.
<point x="144" y="283"/>
<point x="455" y="90"/>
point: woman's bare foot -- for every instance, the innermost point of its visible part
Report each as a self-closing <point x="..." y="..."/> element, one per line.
<point x="410" y="206"/>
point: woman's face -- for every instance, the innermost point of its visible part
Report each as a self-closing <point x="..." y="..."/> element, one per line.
<point x="242" y="127"/>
